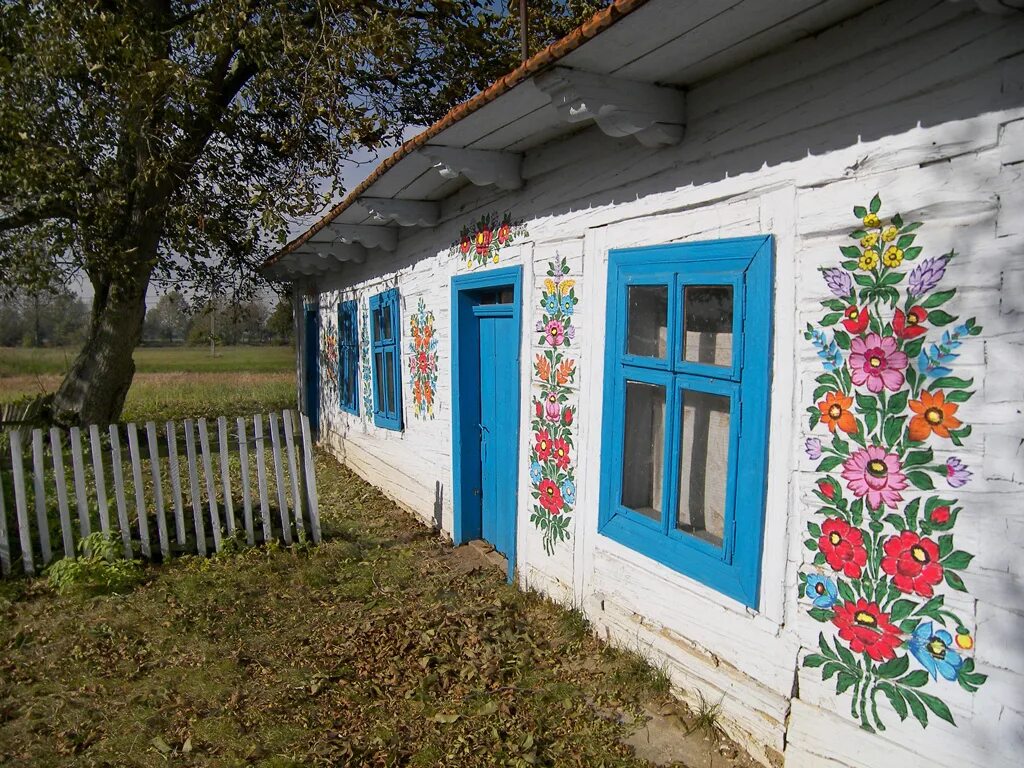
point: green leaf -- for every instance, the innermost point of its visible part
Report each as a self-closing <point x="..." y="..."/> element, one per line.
<point x="811" y="544"/>
<point x="820" y="614"/>
<point x="814" y="660"/>
<point x="865" y="281"/>
<point x="905" y="241"/>
<point x="910" y="513"/>
<point x="938" y="298"/>
<point x="831" y="318"/>
<point x="814" y="529"/>
<point x="850" y="265"/>
<point x="845" y="655"/>
<point x="829" y="463"/>
<point x="945" y="545"/>
<point x="866" y="402"/>
<point x="844" y="681"/>
<point x="937" y="706"/>
<point x="955" y="582"/>
<point x="835" y="304"/>
<point x="920" y="480"/>
<point x="875" y="204"/>
<point x="915" y="458"/>
<point x="938" y="317"/>
<point x="912" y="253"/>
<point x="895" y="521"/>
<point x="916" y="707"/>
<point x="951" y="382"/>
<point x="894" y="667"/>
<point x="860" y="211"/>
<point x="898" y="402"/>
<point x="857" y="234"/>
<point x="913" y="348"/>
<point x="900" y="609"/>
<point x="915" y="679"/>
<point x="830" y="669"/>
<point x="958" y="559"/>
<point x="850" y="251"/>
<point x="959" y="396"/>
<point x="824" y="646"/>
<point x="893" y="429"/>
<point x="912" y="226"/>
<point x="845" y="591"/>
<point x="895" y="699"/>
<point x="871" y="420"/>
<point x="842" y="339"/>
<point x="897" y="221"/>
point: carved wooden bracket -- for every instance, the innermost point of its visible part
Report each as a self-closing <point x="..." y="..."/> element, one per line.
<point x="654" y="115"/>
<point x="406" y="213"/>
<point x="480" y="166"/>
<point x="367" y="235"/>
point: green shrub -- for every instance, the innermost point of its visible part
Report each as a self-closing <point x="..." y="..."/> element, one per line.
<point x="100" y="569"/>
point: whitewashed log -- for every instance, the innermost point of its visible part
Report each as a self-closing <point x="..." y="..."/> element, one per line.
<point x="21" y="502"/>
<point x="275" y="440"/>
<point x="243" y="459"/>
<point x="211" y="487"/>
<point x="193" y="479"/>
<point x="96" y="448"/>
<point x="158" y="490"/>
<point x="225" y="474"/>
<point x="117" y="467"/>
<point x="38" y="477"/>
<point x="5" y="543"/>
<point x="140" y="497"/>
<point x="261" y="474"/>
<point x="172" y="460"/>
<point x="81" y="490"/>
<point x="311" y="496"/>
<point x="289" y="440"/>
<point x="60" y="482"/>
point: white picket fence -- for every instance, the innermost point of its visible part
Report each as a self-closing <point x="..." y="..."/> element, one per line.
<point x="154" y="475"/>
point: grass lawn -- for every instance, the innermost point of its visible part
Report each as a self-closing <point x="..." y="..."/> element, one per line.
<point x="376" y="648"/>
<point x="171" y="382"/>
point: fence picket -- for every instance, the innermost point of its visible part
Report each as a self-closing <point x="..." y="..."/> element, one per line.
<point x="60" y="481"/>
<point x="140" y="497"/>
<point x="40" y="495"/>
<point x="193" y="479"/>
<point x="243" y="458"/>
<point x="158" y="490"/>
<point x="211" y="488"/>
<point x="275" y="440"/>
<point x="261" y="474"/>
<point x="307" y="450"/>
<point x="172" y="460"/>
<point x="117" y="467"/>
<point x="225" y="476"/>
<point x="96" y="448"/>
<point x="81" y="493"/>
<point x="21" y="502"/>
<point x="289" y="441"/>
<point x="5" y="543"/>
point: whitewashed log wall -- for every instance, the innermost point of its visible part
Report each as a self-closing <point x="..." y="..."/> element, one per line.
<point x="920" y="101"/>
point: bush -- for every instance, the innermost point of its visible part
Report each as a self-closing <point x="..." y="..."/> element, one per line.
<point x="100" y="569"/>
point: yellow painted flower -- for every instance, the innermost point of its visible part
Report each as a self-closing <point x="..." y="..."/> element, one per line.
<point x="549" y="285"/>
<point x="893" y="256"/>
<point x="469" y="263"/>
<point x="868" y="260"/>
<point x="565" y="286"/>
<point x="871" y="220"/>
<point x="889" y="233"/>
<point x="964" y="639"/>
<point x="869" y="240"/>
<point x="495" y="259"/>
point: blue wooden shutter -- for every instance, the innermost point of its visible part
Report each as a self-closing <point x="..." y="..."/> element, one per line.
<point x="385" y="333"/>
<point x="348" y="357"/>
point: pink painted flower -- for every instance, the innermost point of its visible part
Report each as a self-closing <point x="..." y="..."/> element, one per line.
<point x="875" y="361"/>
<point x="876" y="475"/>
<point x="556" y="333"/>
<point x="551" y="406"/>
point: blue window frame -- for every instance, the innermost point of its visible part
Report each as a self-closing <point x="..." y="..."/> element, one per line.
<point x="348" y="357"/>
<point x="687" y="381"/>
<point x="385" y="337"/>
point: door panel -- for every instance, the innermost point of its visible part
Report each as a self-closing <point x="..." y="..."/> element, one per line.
<point x="498" y="388"/>
<point x="313" y="370"/>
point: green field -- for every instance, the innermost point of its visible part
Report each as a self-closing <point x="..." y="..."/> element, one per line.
<point x="171" y="382"/>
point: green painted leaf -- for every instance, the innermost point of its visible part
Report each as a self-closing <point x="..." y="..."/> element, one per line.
<point x="913" y="348"/>
<point x="915" y="458"/>
<point x="829" y="463"/>
<point x="945" y="545"/>
<point x="860" y="211"/>
<point x="814" y="529"/>
<point x="938" y="298"/>
<point x="835" y="304"/>
<point x="845" y="655"/>
<point x="845" y="681"/>
<point x="845" y="591"/>
<point x="951" y="382"/>
<point x="850" y="265"/>
<point x="842" y="339"/>
<point x="958" y="559"/>
<point x="895" y="699"/>
<point x="955" y="582"/>
<point x="814" y="660"/>
<point x="894" y="667"/>
<point x="850" y="251"/>
<point x="820" y="614"/>
<point x="959" y="396"/>
<point x="937" y="706"/>
<point x="831" y="318"/>
<point x="866" y="402"/>
<point x="826" y="649"/>
<point x="905" y="241"/>
<point x="898" y="402"/>
<point x="830" y="669"/>
<point x="921" y="480"/>
<point x="893" y="429"/>
<point x="912" y="253"/>
<point x="915" y="679"/>
<point x="916" y="707"/>
<point x="939" y="318"/>
<point x="910" y="513"/>
<point x="875" y="204"/>
<point x="896" y="522"/>
<point x="811" y="544"/>
<point x="865" y="281"/>
<point x="857" y="234"/>
<point x="900" y="609"/>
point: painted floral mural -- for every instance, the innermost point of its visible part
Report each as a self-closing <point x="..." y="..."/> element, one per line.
<point x="552" y="458"/>
<point x="480" y="243"/>
<point x="329" y="353"/>
<point x="365" y="373"/>
<point x="883" y="541"/>
<point x="423" y="361"/>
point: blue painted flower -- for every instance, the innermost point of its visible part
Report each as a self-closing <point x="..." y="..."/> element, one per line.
<point x="567" y="305"/>
<point x="931" y="648"/>
<point x="535" y="472"/>
<point x="822" y="590"/>
<point x="551" y="303"/>
<point x="569" y="492"/>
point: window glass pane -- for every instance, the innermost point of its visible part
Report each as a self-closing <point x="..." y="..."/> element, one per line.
<point x="385" y="322"/>
<point x="644" y="446"/>
<point x="707" y="329"/>
<point x="647" y="325"/>
<point x="704" y="466"/>
<point x="378" y="380"/>
<point x="389" y="383"/>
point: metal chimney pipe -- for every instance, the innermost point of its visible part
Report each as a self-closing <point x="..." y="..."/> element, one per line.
<point x="524" y="22"/>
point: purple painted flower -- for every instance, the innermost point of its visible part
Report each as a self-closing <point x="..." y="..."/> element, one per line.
<point x="926" y="275"/>
<point x="838" y="281"/>
<point x="540" y="326"/>
<point x="957" y="473"/>
<point x="571" y="333"/>
<point x="813" y="447"/>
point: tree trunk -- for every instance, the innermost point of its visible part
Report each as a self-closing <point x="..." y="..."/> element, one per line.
<point x="94" y="390"/>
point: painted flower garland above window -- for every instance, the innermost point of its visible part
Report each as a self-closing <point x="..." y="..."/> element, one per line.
<point x="552" y="462"/>
<point x="480" y="243"/>
<point x="365" y="372"/>
<point x="885" y="546"/>
<point x="329" y="353"/>
<point x="423" y="361"/>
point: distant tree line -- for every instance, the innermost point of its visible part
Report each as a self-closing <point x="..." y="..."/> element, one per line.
<point x="59" y="318"/>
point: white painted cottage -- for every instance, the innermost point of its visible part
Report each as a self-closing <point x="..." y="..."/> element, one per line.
<point x="710" y="318"/>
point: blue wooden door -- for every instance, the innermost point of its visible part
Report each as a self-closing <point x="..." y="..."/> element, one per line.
<point x="499" y="385"/>
<point x="312" y="345"/>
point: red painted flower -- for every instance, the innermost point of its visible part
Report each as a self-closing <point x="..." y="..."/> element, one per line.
<point x="561" y="451"/>
<point x="913" y="563"/>
<point x="483" y="241"/>
<point x="908" y="326"/>
<point x="422" y="363"/>
<point x="939" y="515"/>
<point x="867" y="629"/>
<point x="567" y="416"/>
<point x="856" y="320"/>
<point x="503" y="232"/>
<point x="465" y="244"/>
<point x="828" y="489"/>
<point x="550" y="497"/>
<point x="843" y="547"/>
<point x="543" y="445"/>
<point x="539" y="408"/>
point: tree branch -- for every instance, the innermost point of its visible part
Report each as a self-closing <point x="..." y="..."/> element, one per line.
<point x="36" y="213"/>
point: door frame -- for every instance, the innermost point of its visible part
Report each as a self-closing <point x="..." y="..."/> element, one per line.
<point x="466" y="458"/>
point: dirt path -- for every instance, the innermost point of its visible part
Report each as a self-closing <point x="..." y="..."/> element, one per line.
<point x="381" y="647"/>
